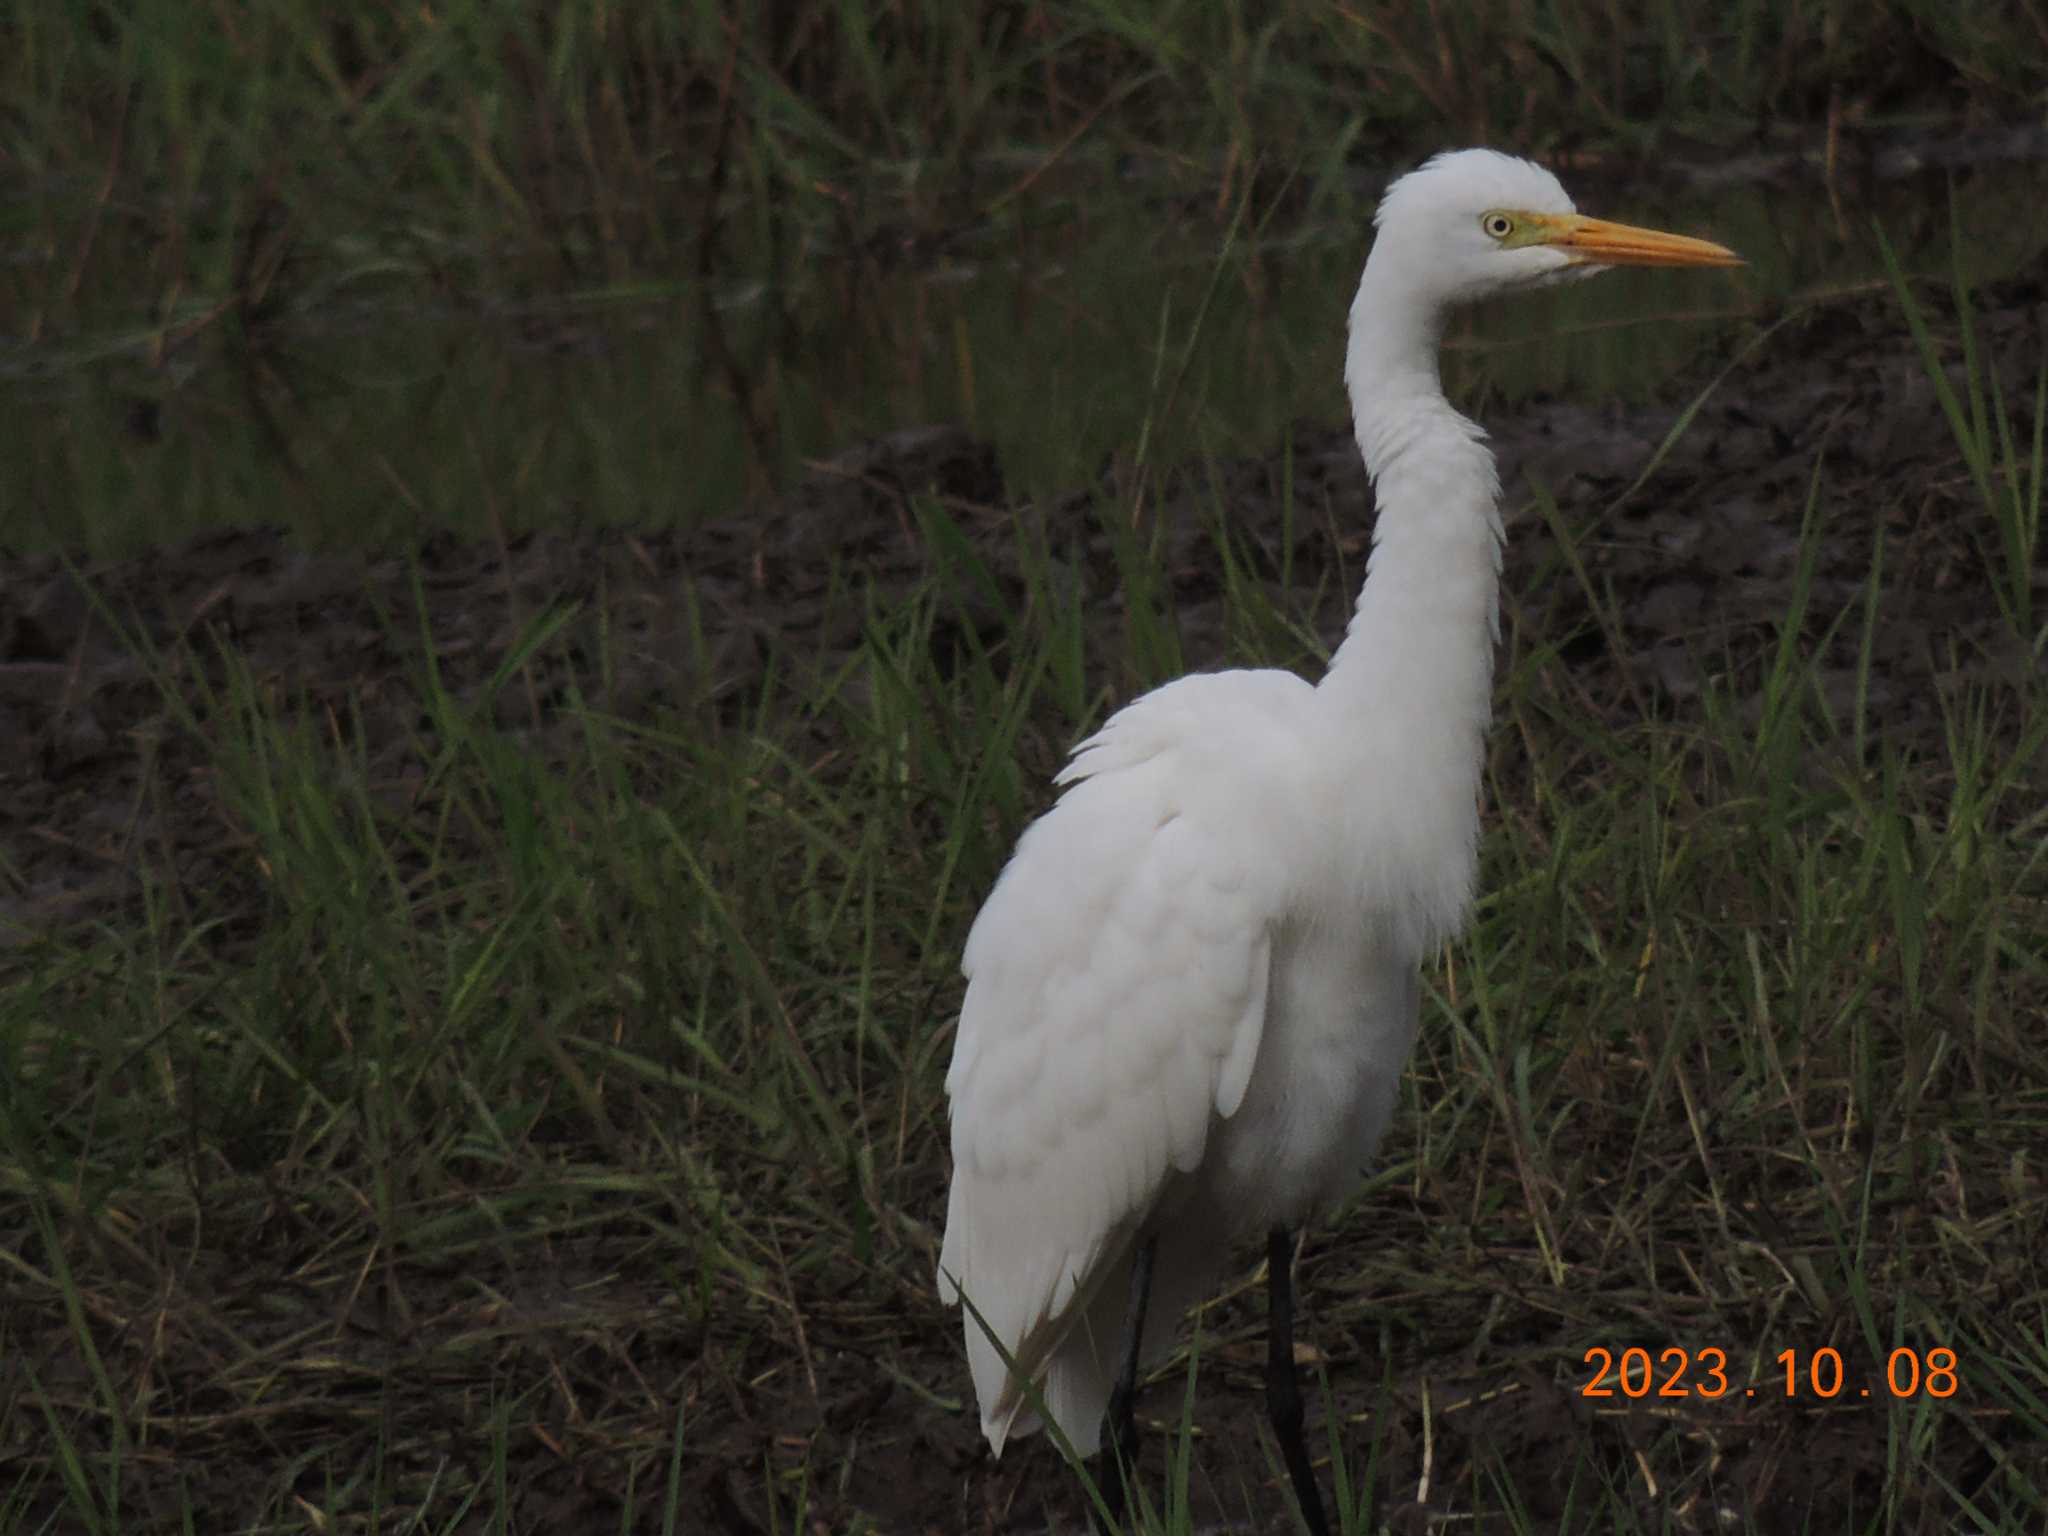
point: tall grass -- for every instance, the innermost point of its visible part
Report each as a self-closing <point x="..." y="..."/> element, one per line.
<point x="435" y="266"/>
<point x="636" y="1027"/>
<point x="2000" y="446"/>
<point x="536" y="1106"/>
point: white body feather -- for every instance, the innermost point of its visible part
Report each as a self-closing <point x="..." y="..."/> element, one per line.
<point x="1192" y="992"/>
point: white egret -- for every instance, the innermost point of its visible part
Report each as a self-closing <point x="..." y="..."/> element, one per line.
<point x="1192" y="991"/>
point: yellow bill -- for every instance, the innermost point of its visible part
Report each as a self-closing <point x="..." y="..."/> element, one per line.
<point x="1624" y="245"/>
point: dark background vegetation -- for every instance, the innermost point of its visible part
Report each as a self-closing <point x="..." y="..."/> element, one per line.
<point x="549" y="552"/>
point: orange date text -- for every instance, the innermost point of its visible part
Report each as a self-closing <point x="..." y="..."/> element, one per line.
<point x="1816" y="1373"/>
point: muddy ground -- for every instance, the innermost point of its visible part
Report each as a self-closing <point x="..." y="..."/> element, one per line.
<point x="1700" y="562"/>
<point x="98" y="780"/>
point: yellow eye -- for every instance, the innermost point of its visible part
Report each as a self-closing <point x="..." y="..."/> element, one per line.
<point x="1498" y="225"/>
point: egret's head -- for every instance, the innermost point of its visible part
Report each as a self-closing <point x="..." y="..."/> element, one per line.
<point x="1475" y="222"/>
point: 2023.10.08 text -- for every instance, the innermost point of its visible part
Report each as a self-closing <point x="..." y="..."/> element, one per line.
<point x="1819" y="1373"/>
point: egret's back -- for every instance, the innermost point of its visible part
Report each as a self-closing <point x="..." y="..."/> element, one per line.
<point x="1119" y="980"/>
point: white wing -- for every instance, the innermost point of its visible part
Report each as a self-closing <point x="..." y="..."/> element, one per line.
<point x="1117" y="985"/>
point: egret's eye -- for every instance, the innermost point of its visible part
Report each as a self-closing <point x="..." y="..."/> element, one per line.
<point x="1497" y="225"/>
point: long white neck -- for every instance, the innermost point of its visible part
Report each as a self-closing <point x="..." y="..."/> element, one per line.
<point x="1409" y="692"/>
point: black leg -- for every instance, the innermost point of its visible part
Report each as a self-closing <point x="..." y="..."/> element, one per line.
<point x="1119" y="1458"/>
<point x="1283" y="1390"/>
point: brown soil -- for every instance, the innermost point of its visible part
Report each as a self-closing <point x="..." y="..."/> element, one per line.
<point x="100" y="781"/>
